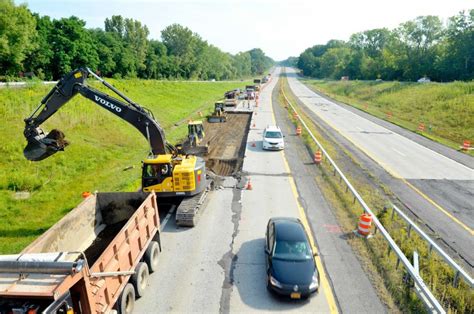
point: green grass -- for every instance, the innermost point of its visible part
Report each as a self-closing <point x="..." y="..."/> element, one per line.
<point x="102" y="146"/>
<point x="446" y="109"/>
<point x="382" y="268"/>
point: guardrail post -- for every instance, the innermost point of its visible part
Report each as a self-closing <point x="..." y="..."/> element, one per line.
<point x="398" y="263"/>
<point x="409" y="230"/>
<point x="393" y="213"/>
<point x="429" y="250"/>
<point x="456" y="279"/>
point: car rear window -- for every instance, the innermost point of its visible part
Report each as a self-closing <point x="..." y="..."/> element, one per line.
<point x="292" y="250"/>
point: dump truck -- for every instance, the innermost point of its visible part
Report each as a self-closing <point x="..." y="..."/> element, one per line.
<point x="96" y="259"/>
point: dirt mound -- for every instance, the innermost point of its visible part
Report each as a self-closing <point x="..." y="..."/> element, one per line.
<point x="116" y="212"/>
<point x="58" y="138"/>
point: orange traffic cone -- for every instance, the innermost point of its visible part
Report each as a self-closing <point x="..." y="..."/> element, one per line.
<point x="249" y="185"/>
<point x="86" y="194"/>
<point x="253" y="144"/>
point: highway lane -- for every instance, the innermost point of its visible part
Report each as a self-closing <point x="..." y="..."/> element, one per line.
<point x="271" y="195"/>
<point x="219" y="265"/>
<point x="441" y="188"/>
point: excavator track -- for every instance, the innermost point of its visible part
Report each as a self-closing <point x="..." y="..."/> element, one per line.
<point x="187" y="213"/>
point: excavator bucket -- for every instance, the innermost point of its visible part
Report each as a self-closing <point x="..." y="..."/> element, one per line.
<point x="41" y="146"/>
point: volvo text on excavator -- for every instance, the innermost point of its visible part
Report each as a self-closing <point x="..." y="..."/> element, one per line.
<point x="167" y="170"/>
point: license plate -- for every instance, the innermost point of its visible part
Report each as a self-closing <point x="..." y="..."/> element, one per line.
<point x="295" y="295"/>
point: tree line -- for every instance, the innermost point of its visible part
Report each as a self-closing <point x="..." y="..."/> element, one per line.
<point x="417" y="48"/>
<point x="48" y="48"/>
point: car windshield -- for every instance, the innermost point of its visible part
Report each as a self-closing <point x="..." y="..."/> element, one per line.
<point x="273" y="134"/>
<point x="292" y="250"/>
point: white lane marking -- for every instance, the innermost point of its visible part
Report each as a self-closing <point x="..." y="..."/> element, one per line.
<point x="165" y="221"/>
<point x="399" y="152"/>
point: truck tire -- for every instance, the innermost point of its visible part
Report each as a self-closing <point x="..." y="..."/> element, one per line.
<point x="126" y="301"/>
<point x="140" y="279"/>
<point x="152" y="255"/>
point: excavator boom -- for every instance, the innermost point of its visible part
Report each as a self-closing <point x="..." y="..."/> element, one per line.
<point x="41" y="145"/>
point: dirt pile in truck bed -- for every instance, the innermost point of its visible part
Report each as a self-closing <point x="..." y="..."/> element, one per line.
<point x="114" y="215"/>
<point x="227" y="142"/>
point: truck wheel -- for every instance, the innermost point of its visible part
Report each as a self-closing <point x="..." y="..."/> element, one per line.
<point x="151" y="257"/>
<point x="140" y="278"/>
<point x="126" y="301"/>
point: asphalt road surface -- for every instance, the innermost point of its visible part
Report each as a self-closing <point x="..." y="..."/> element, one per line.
<point x="219" y="265"/>
<point x="437" y="187"/>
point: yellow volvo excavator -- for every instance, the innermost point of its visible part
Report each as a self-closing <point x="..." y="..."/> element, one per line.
<point x="167" y="171"/>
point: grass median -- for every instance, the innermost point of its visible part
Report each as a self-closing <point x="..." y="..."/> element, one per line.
<point x="390" y="279"/>
<point x="104" y="154"/>
<point x="445" y="109"/>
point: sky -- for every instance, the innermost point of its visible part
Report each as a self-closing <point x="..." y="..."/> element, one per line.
<point x="281" y="28"/>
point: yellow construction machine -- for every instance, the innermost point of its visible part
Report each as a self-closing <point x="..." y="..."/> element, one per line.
<point x="167" y="170"/>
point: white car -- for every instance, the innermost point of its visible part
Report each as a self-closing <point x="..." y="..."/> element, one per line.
<point x="273" y="138"/>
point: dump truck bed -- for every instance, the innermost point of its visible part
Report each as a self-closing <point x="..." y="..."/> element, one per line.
<point x="114" y="229"/>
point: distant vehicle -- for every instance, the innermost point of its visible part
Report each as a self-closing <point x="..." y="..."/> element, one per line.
<point x="291" y="270"/>
<point x="379" y="80"/>
<point x="344" y="78"/>
<point x="273" y="138"/>
<point x="424" y="80"/>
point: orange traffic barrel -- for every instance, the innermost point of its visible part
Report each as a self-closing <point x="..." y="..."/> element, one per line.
<point x="365" y="224"/>
<point x="295" y="114"/>
<point x="318" y="157"/>
<point x="466" y="145"/>
<point x="86" y="194"/>
<point x="421" y="127"/>
<point x="298" y="130"/>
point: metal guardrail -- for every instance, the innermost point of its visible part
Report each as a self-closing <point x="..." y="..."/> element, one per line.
<point x="437" y="248"/>
<point x="23" y="84"/>
<point x="427" y="296"/>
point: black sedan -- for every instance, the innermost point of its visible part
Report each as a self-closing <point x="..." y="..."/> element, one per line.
<point x="291" y="270"/>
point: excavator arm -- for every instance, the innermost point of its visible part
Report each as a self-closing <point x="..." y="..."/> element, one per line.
<point x="41" y="145"/>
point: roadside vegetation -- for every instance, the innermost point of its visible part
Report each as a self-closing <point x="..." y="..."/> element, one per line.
<point x="105" y="152"/>
<point x="446" y="110"/>
<point x="390" y="280"/>
<point x="425" y="46"/>
<point x="46" y="48"/>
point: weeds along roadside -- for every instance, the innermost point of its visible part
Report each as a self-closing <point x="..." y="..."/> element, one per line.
<point x="389" y="278"/>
